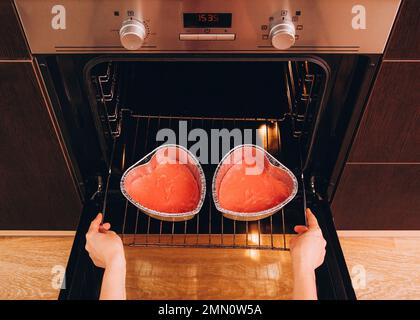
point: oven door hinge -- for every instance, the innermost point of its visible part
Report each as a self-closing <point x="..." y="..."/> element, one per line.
<point x="99" y="188"/>
<point x="314" y="188"/>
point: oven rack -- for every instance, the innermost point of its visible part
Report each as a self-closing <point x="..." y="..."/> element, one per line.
<point x="208" y="229"/>
<point x="300" y="86"/>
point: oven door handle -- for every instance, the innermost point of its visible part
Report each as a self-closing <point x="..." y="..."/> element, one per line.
<point x="332" y="277"/>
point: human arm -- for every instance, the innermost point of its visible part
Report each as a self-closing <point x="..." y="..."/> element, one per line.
<point x="308" y="252"/>
<point x="106" y="250"/>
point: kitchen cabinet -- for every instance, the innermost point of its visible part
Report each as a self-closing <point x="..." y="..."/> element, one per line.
<point x="12" y="41"/>
<point x="378" y="197"/>
<point x="404" y="42"/>
<point x="36" y="188"/>
<point x="380" y="185"/>
<point x="390" y="130"/>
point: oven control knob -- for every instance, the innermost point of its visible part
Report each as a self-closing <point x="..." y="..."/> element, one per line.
<point x="132" y="34"/>
<point x="282" y="35"/>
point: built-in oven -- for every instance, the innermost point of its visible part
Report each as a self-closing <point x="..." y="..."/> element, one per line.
<point x="293" y="75"/>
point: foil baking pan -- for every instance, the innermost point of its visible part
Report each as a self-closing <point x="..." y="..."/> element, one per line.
<point x="233" y="157"/>
<point x="175" y="153"/>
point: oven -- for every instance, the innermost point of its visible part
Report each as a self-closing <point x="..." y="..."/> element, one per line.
<point x="294" y="74"/>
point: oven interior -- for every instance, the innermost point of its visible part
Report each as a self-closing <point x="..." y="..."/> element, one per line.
<point x="132" y="100"/>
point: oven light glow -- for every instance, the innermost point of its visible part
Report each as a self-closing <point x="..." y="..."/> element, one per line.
<point x="262" y="128"/>
<point x="253" y="238"/>
<point x="123" y="157"/>
<point x="262" y="134"/>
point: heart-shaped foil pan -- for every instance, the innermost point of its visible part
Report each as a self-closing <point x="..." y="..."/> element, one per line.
<point x="233" y="157"/>
<point x="178" y="154"/>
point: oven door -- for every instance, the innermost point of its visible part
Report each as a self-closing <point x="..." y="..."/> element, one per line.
<point x="83" y="279"/>
<point x="308" y="128"/>
<point x="333" y="278"/>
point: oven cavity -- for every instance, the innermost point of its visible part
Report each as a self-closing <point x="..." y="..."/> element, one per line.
<point x="278" y="101"/>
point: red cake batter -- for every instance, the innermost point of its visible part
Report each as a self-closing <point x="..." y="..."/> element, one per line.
<point x="242" y="192"/>
<point x="169" y="188"/>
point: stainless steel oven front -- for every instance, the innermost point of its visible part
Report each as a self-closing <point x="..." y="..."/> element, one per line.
<point x="297" y="73"/>
<point x="264" y="26"/>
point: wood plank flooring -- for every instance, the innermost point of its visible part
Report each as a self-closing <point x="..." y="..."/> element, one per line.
<point x="26" y="266"/>
<point x="381" y="268"/>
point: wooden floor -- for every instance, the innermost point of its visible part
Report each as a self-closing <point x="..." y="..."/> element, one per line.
<point x="391" y="267"/>
<point x="28" y="266"/>
<point x="381" y="268"/>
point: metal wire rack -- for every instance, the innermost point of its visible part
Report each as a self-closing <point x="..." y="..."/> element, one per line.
<point x="208" y="228"/>
<point x="134" y="135"/>
<point x="300" y="87"/>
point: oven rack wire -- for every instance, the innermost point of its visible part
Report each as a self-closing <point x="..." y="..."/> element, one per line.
<point x="300" y="84"/>
<point x="208" y="229"/>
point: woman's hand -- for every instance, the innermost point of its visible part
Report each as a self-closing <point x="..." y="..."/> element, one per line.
<point x="308" y="248"/>
<point x="104" y="246"/>
<point x="106" y="251"/>
<point x="308" y="252"/>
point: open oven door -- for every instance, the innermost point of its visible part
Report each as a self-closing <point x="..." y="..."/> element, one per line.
<point x="83" y="279"/>
<point x="332" y="277"/>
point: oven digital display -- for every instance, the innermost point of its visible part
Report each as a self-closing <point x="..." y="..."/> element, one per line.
<point x="207" y="20"/>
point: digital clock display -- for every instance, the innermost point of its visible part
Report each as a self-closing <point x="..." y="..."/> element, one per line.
<point x="207" y="20"/>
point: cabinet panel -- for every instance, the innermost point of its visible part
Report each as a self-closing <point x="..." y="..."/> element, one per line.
<point x="12" y="41"/>
<point x="378" y="197"/>
<point x="404" y="40"/>
<point x="390" y="130"/>
<point x="36" y="188"/>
